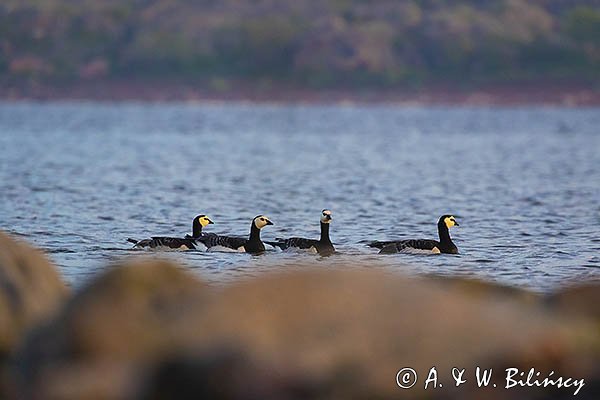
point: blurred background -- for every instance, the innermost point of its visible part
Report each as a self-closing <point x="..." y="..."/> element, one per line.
<point x="52" y="47"/>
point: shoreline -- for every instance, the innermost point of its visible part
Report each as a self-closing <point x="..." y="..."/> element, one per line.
<point x="527" y="94"/>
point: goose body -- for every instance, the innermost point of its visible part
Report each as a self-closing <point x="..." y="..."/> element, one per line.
<point x="186" y="243"/>
<point x="323" y="245"/>
<point x="444" y="245"/>
<point x="251" y="245"/>
<point x="164" y="242"/>
<point x="213" y="241"/>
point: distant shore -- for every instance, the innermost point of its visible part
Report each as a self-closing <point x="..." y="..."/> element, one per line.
<point x="569" y="95"/>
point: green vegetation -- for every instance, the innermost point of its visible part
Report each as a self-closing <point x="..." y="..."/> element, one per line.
<point x="319" y="43"/>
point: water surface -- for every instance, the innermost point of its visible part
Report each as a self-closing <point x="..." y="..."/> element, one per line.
<point x="78" y="179"/>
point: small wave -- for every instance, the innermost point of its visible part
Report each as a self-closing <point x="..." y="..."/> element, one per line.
<point x="532" y="201"/>
<point x="509" y="246"/>
<point x="41" y="233"/>
<point x="59" y="251"/>
<point x="113" y="248"/>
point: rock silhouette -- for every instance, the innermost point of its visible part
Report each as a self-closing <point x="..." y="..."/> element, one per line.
<point x="30" y="290"/>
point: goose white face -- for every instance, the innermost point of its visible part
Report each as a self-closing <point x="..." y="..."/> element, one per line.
<point x="326" y="216"/>
<point x="450" y="221"/>
<point x="204" y="220"/>
<point x="261" y="221"/>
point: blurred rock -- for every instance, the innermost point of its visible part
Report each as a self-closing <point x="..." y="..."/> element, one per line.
<point x="224" y="374"/>
<point x="582" y="300"/>
<point x="348" y="333"/>
<point x="30" y="291"/>
<point x="151" y="331"/>
<point x="99" y="345"/>
<point x="489" y="290"/>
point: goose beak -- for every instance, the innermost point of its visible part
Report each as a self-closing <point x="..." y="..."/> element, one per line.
<point x="210" y="222"/>
<point x="269" y="222"/>
<point x="456" y="223"/>
<point x="328" y="217"/>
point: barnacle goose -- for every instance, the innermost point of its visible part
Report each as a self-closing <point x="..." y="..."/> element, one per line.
<point x="186" y="243"/>
<point x="445" y="245"/>
<point x="251" y="245"/>
<point x="323" y="246"/>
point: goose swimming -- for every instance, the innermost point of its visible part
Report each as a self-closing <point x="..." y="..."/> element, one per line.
<point x="323" y="245"/>
<point x="186" y="243"/>
<point x="444" y="245"/>
<point x="251" y="245"/>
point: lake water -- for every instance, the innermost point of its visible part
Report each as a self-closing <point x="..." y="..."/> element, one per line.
<point x="78" y="179"/>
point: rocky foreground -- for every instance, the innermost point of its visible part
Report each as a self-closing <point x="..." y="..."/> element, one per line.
<point x="148" y="329"/>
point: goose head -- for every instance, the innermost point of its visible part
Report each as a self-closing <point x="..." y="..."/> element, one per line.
<point x="260" y="221"/>
<point x="203" y="220"/>
<point x="326" y="216"/>
<point x="448" y="220"/>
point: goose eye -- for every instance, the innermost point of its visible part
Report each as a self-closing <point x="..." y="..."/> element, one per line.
<point x="262" y="219"/>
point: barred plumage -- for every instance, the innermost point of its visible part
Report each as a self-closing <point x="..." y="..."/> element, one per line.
<point x="162" y="241"/>
<point x="323" y="246"/>
<point x="445" y="245"/>
<point x="186" y="243"/>
<point x="301" y="243"/>
<point x="403" y="245"/>
<point x="212" y="240"/>
<point x="251" y="245"/>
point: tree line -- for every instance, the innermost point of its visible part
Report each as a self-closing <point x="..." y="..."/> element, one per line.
<point x="317" y="43"/>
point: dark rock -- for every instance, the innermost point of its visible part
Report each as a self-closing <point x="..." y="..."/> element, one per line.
<point x="109" y="332"/>
<point x="30" y="290"/>
<point x="582" y="300"/>
<point x="481" y="289"/>
<point x="224" y="374"/>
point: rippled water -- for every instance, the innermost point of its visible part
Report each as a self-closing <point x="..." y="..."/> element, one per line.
<point x="78" y="179"/>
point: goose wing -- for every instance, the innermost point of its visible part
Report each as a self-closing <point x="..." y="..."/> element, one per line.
<point x="420" y="244"/>
<point x="401" y="245"/>
<point x="232" y="242"/>
<point x="162" y="241"/>
<point x="300" y="243"/>
<point x="381" y="244"/>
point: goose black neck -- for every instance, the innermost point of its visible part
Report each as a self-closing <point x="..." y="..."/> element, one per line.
<point x="444" y="233"/>
<point x="196" y="229"/>
<point x="254" y="233"/>
<point x="325" y="233"/>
